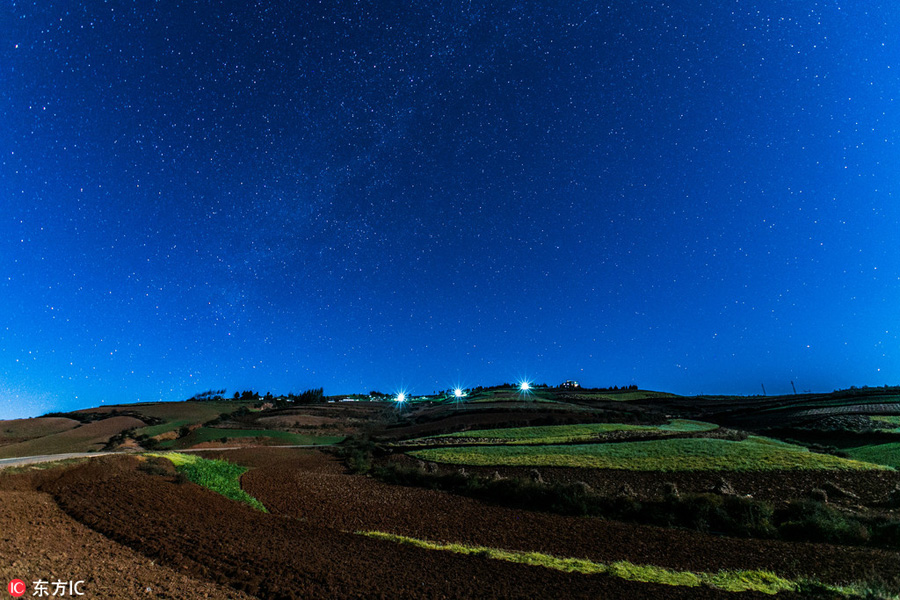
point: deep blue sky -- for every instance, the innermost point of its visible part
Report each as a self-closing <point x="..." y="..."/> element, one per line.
<point x="690" y="196"/>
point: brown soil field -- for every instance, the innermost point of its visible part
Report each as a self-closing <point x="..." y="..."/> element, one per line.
<point x="870" y="488"/>
<point x="170" y="410"/>
<point x="205" y="536"/>
<point x="124" y="527"/>
<point x="315" y="488"/>
<point x="191" y="413"/>
<point x="39" y="541"/>
<point x="20" y="430"/>
<point x="85" y="438"/>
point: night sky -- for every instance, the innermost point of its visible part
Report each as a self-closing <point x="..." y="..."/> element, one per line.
<point x="696" y="197"/>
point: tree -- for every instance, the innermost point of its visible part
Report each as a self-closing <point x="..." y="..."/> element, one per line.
<point x="311" y="396"/>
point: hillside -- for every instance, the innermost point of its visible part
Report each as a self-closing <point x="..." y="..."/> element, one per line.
<point x="83" y="438"/>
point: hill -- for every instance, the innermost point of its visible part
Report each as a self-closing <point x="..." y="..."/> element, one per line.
<point x="83" y="438"/>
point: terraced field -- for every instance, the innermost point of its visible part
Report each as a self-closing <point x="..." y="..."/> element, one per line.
<point x="84" y="438"/>
<point x="20" y="430"/>
<point x="195" y="412"/>
<point x="873" y="408"/>
<point x="223" y="436"/>
<point x="657" y="455"/>
<point x="887" y="423"/>
<point x="170" y="426"/>
<point x="564" y="434"/>
<point x="173" y="415"/>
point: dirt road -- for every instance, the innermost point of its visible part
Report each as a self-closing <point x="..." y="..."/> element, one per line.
<point x="31" y="460"/>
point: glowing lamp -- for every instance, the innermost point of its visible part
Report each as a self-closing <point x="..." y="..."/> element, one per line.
<point x="401" y="397"/>
<point x="458" y="393"/>
<point x="524" y="386"/>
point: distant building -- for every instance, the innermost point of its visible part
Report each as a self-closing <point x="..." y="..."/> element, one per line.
<point x="570" y="385"/>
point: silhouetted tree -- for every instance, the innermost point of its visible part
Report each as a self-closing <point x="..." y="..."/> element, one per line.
<point x="311" y="396"/>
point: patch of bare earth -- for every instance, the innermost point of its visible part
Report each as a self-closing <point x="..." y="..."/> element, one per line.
<point x="38" y="541"/>
<point x="129" y="445"/>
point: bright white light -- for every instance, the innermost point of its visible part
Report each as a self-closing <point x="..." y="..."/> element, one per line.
<point x="401" y="397"/>
<point x="524" y="386"/>
<point x="458" y="393"/>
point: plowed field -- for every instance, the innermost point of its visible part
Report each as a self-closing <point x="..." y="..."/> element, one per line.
<point x="20" y="430"/>
<point x="313" y="487"/>
<point x="868" y="488"/>
<point x="285" y="557"/>
<point x="84" y="438"/>
<point x="38" y="541"/>
<point x="181" y="540"/>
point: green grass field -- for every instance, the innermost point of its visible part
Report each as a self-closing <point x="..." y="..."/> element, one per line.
<point x="209" y="434"/>
<point x="693" y="454"/>
<point x="882" y="454"/>
<point x="219" y="476"/>
<point x="153" y="430"/>
<point x="561" y="434"/>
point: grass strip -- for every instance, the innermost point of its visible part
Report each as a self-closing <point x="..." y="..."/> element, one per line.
<point x="731" y="581"/>
<point x="692" y="454"/>
<point x="220" y="476"/>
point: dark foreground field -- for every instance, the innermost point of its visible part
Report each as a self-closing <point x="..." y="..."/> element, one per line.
<point x="214" y="546"/>
<point x="154" y="531"/>
<point x="134" y="526"/>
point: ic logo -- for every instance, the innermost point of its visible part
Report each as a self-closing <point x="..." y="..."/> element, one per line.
<point x="16" y="588"/>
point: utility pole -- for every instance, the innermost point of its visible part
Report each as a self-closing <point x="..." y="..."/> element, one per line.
<point x="764" y="388"/>
<point x="795" y="388"/>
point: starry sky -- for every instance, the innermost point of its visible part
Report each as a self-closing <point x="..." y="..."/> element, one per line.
<point x="696" y="197"/>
